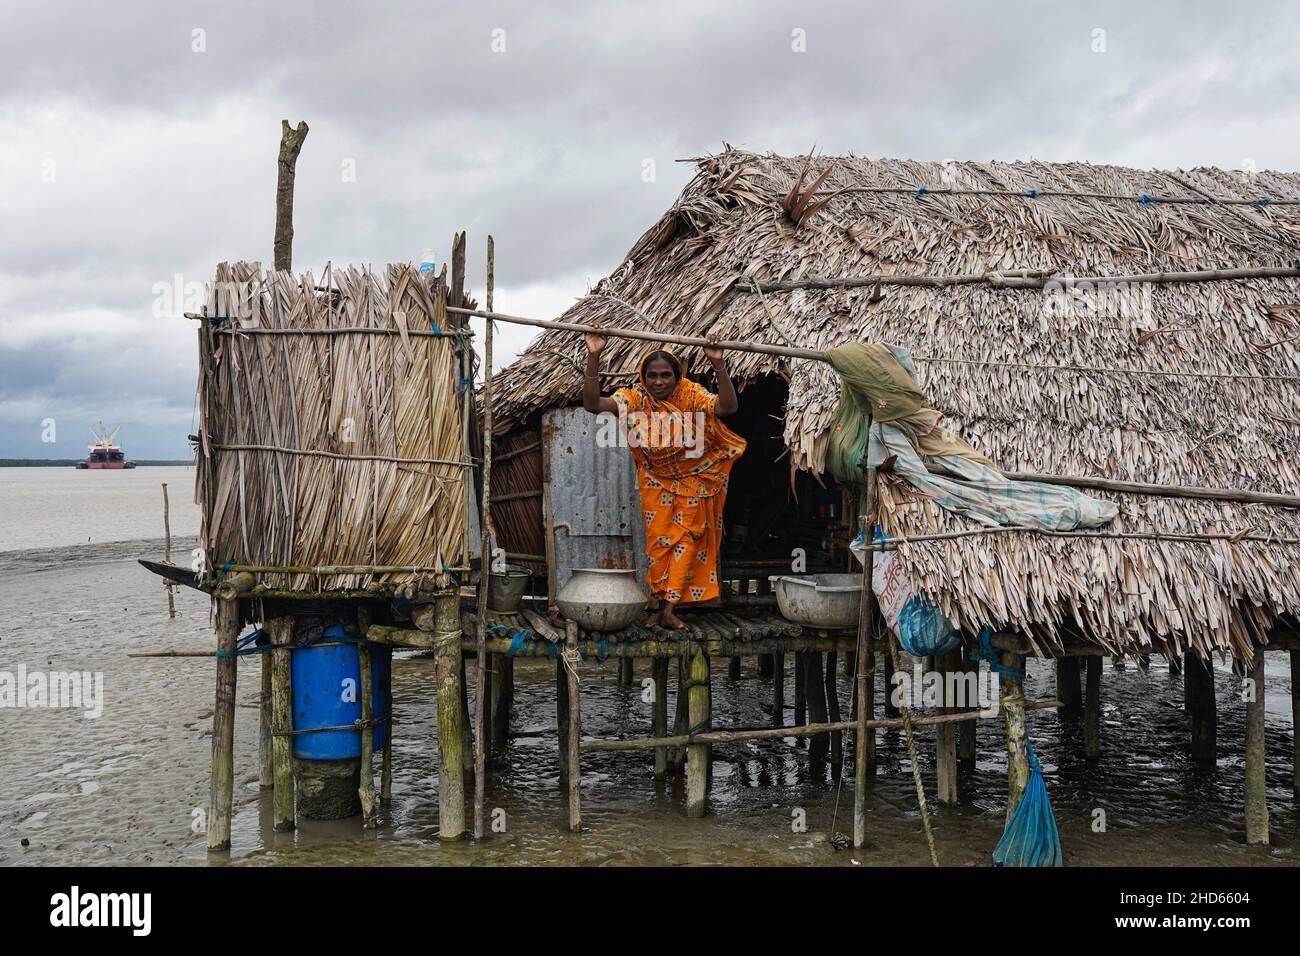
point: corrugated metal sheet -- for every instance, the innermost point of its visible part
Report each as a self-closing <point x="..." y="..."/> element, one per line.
<point x="595" y="505"/>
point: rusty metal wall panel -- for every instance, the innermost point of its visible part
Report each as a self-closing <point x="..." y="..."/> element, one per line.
<point x="595" y="505"/>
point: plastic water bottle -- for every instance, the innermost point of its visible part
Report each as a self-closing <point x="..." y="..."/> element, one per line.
<point x="427" y="262"/>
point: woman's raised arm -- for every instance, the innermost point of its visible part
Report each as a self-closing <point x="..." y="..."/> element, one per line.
<point x="592" y="400"/>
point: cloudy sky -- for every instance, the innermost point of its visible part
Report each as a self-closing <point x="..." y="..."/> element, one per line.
<point x="138" y="143"/>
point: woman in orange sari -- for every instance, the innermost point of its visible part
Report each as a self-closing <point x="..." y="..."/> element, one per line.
<point x="683" y="458"/>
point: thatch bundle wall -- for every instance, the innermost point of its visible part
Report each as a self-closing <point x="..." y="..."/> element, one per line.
<point x="325" y="448"/>
<point x="1194" y="383"/>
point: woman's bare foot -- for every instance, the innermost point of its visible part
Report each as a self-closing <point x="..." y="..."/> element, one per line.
<point x="670" y="620"/>
<point x="653" y="620"/>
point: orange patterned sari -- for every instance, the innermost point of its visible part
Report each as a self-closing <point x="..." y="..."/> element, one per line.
<point x="683" y="458"/>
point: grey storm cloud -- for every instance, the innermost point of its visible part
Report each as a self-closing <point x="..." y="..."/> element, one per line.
<point x="137" y="142"/>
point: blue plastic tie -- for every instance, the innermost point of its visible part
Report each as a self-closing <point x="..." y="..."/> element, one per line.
<point x="1032" y="194"/>
<point x="465" y="383"/>
<point x="920" y="192"/>
<point x="1263" y="200"/>
<point x="436" y="331"/>
<point x="988" y="652"/>
<point x="601" y="647"/>
<point x="1147" y="200"/>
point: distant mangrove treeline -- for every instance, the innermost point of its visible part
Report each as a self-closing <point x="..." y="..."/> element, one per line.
<point x="55" y="462"/>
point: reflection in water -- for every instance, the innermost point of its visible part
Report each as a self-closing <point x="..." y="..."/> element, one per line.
<point x="125" y="788"/>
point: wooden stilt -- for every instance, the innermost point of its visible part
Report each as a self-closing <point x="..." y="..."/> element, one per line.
<point x="659" y="712"/>
<point x="466" y="724"/>
<point x="1092" y="709"/>
<point x="698" y="755"/>
<point x="1013" y="711"/>
<point x="282" y="807"/>
<point x="221" y="795"/>
<point x="733" y="669"/>
<point x="833" y="713"/>
<point x="764" y="665"/>
<point x="1067" y="683"/>
<point x="367" y="789"/>
<point x="1295" y="723"/>
<point x="386" y="777"/>
<point x="946" y="734"/>
<point x="800" y="690"/>
<point x="625" y="672"/>
<point x="482" y="727"/>
<point x="451" y="779"/>
<point x="891" y="709"/>
<point x="1202" y="707"/>
<point x="489" y="666"/>
<point x="266" y="778"/>
<point x="966" y="730"/>
<point x="1256" y="792"/>
<point x="500" y="703"/>
<point x="562" y="721"/>
<point x="864" y="697"/>
<point x="815" y="694"/>
<point x="778" y="690"/>
<point x="677" y="758"/>
<point x="571" y="660"/>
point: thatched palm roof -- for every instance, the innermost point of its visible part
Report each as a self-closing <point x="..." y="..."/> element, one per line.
<point x="1225" y="412"/>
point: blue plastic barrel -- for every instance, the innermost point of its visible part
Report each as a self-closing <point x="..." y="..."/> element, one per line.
<point x="325" y="682"/>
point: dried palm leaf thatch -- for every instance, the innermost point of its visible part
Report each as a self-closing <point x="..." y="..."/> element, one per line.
<point x="323" y="448"/>
<point x="1193" y="383"/>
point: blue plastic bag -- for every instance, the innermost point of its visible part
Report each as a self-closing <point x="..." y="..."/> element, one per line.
<point x="924" y="631"/>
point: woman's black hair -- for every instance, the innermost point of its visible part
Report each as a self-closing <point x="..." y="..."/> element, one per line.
<point x="668" y="357"/>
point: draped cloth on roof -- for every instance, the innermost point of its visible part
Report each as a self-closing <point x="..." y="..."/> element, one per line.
<point x="882" y="413"/>
<point x="683" y="458"/>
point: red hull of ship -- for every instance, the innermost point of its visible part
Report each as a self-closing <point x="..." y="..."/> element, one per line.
<point x="106" y="464"/>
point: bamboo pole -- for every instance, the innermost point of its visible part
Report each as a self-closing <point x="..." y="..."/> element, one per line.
<point x="946" y="734"/>
<point x="451" y="781"/>
<point x="367" y="789"/>
<point x="485" y="563"/>
<point x="833" y="714"/>
<point x="222" y="788"/>
<point x="864" y="742"/>
<point x="571" y="660"/>
<point x="1256" y="785"/>
<point x="167" y="551"/>
<point x="698" y="754"/>
<point x="282" y="801"/>
<point x="562" y="720"/>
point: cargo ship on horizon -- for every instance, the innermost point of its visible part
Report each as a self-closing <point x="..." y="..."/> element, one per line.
<point x="104" y="452"/>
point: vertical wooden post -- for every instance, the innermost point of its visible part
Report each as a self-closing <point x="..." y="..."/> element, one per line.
<point x="386" y="775"/>
<point x="1202" y="707"/>
<point x="800" y="689"/>
<point x="282" y="808"/>
<point x="660" y="714"/>
<point x="1092" y="708"/>
<point x="946" y="734"/>
<point x="625" y="672"/>
<point x="833" y="713"/>
<point x="562" y="720"/>
<point x="778" y="690"/>
<point x="221" y="795"/>
<point x="891" y="709"/>
<point x="1068" y="696"/>
<point x="266" y="777"/>
<point x="167" y="552"/>
<point x="677" y="759"/>
<point x="764" y="665"/>
<point x="466" y="723"/>
<point x="864" y="739"/>
<point x="966" y="729"/>
<point x="1256" y="792"/>
<point x="500" y="702"/>
<point x="481" y="730"/>
<point x="291" y="140"/>
<point x="367" y="789"/>
<point x="488" y="666"/>
<point x="446" y="652"/>
<point x="815" y="695"/>
<point x="733" y="669"/>
<point x="699" y="705"/>
<point x="1013" y="711"/>
<point x="571" y="659"/>
<point x="1295" y="723"/>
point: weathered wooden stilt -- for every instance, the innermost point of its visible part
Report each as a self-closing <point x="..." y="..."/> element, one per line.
<point x="386" y="777"/>
<point x="864" y="697"/>
<point x="491" y="693"/>
<point x="1068" y="694"/>
<point x="282" y="805"/>
<point x="266" y="779"/>
<point x="764" y="665"/>
<point x="562" y="721"/>
<point x="815" y="695"/>
<point x="500" y="703"/>
<point x="946" y="734"/>
<point x="1202" y="707"/>
<point x="833" y="714"/>
<point x="891" y="709"/>
<point x="800" y="690"/>
<point x="451" y="771"/>
<point x="966" y="730"/>
<point x="367" y="789"/>
<point x="466" y="723"/>
<point x="1256" y="792"/>
<point x="698" y="755"/>
<point x="1295" y="723"/>
<point x="677" y="757"/>
<point x="1013" y="711"/>
<point x="222" y="790"/>
<point x="778" y="690"/>
<point x="571" y="660"/>
<point x="1092" y="709"/>
<point x="659" y="713"/>
<point x="625" y="672"/>
<point x="733" y="669"/>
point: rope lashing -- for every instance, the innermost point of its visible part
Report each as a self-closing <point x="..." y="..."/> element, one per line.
<point x="572" y="659"/>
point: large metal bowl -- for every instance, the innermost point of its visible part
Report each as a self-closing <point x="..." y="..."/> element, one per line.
<point x="819" y="600"/>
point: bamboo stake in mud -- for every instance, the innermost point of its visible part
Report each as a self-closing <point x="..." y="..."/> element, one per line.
<point x="485" y="566"/>
<point x="451" y="780"/>
<point x="222" y="790"/>
<point x="698" y="708"/>
<point x="570" y="660"/>
<point x="282" y="805"/>
<point x="167" y="551"/>
<point x="864" y="742"/>
<point x="367" y="789"/>
<point x="1256" y="786"/>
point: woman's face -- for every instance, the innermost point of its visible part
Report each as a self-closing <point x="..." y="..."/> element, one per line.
<point x="660" y="378"/>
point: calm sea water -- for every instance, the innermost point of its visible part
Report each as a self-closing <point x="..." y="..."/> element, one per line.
<point x="123" y="787"/>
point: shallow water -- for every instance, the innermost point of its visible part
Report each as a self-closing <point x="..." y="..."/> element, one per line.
<point x="123" y="788"/>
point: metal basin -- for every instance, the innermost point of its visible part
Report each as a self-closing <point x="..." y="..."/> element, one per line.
<point x="600" y="599"/>
<point x="819" y="600"/>
<point x="506" y="588"/>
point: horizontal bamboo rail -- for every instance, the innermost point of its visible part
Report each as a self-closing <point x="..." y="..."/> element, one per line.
<point x="280" y="449"/>
<point x="800" y="730"/>
<point x="1166" y="491"/>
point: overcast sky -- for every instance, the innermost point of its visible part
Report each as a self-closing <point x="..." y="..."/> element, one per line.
<point x="138" y="143"/>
